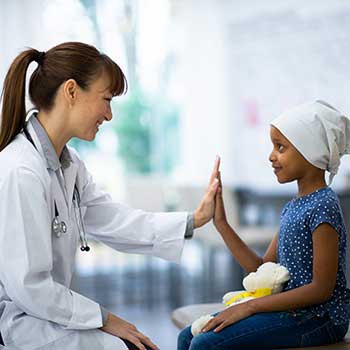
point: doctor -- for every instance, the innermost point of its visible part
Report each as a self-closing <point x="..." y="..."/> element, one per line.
<point x="49" y="202"/>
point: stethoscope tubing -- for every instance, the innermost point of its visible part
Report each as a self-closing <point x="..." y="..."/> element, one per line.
<point x="61" y="227"/>
<point x="83" y="243"/>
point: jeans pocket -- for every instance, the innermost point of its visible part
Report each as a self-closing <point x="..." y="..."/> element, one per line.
<point x="321" y="335"/>
<point x="303" y="316"/>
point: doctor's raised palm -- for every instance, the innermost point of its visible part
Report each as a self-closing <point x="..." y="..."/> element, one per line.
<point x="206" y="209"/>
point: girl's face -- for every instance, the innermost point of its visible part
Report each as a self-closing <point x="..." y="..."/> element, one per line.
<point x="92" y="108"/>
<point x="287" y="161"/>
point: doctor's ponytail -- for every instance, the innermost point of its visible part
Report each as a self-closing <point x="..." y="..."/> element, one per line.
<point x="70" y="60"/>
<point x="13" y="112"/>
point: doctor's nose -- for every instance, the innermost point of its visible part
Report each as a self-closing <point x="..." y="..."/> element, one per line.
<point x="108" y="115"/>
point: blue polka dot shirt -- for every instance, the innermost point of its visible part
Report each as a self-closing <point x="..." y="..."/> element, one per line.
<point x="299" y="219"/>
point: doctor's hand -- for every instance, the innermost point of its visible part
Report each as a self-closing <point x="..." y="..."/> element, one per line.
<point x="206" y="209"/>
<point x="125" y="330"/>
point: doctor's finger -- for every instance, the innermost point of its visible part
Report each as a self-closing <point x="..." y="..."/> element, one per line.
<point x="215" y="171"/>
<point x="219" y="178"/>
<point x="212" y="190"/>
<point x="145" y="340"/>
<point x="130" y="345"/>
<point x="133" y="341"/>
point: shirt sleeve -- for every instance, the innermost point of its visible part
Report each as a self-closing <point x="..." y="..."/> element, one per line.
<point x="131" y="230"/>
<point x="104" y="313"/>
<point x="326" y="212"/>
<point x="189" y="226"/>
<point x="26" y="256"/>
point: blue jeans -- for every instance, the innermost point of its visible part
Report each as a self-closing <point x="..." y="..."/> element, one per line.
<point x="273" y="330"/>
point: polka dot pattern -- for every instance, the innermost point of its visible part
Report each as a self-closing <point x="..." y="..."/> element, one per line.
<point x="299" y="219"/>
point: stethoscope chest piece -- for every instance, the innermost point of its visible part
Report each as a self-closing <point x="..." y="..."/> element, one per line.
<point x="58" y="227"/>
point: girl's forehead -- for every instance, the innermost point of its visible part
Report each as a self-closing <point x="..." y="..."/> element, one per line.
<point x="277" y="136"/>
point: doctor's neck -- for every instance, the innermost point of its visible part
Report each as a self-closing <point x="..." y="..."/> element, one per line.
<point x="55" y="125"/>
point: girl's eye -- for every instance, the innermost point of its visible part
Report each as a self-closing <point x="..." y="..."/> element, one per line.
<point x="280" y="147"/>
<point x="108" y="99"/>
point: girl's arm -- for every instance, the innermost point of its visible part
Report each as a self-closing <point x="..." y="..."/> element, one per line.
<point x="325" y="267"/>
<point x="244" y="255"/>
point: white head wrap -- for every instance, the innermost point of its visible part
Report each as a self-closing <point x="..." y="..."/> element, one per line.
<point x="319" y="132"/>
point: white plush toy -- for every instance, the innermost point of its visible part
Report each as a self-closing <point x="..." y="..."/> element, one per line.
<point x="268" y="279"/>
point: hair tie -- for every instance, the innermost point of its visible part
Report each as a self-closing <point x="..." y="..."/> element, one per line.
<point x="40" y="57"/>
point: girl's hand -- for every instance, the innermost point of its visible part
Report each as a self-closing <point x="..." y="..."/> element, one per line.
<point x="220" y="214"/>
<point x="229" y="316"/>
<point x="125" y="330"/>
<point x="205" y="211"/>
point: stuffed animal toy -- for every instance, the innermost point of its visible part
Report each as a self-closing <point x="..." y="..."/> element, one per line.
<point x="268" y="279"/>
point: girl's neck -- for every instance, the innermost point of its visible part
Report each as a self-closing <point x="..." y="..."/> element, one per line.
<point x="307" y="186"/>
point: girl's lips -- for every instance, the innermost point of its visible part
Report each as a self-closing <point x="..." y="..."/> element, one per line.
<point x="276" y="169"/>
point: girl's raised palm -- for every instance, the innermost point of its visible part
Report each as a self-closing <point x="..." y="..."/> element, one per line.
<point x="220" y="214"/>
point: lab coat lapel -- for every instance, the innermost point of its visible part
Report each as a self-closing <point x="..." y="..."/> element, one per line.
<point x="58" y="197"/>
<point x="70" y="176"/>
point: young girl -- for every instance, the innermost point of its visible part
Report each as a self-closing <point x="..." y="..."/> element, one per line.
<point x="311" y="243"/>
<point x="49" y="200"/>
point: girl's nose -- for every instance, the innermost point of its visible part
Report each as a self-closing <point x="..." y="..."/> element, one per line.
<point x="272" y="156"/>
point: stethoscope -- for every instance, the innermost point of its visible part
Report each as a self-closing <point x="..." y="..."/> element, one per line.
<point x="59" y="227"/>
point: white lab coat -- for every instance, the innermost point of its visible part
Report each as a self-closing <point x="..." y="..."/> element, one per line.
<point x="37" y="306"/>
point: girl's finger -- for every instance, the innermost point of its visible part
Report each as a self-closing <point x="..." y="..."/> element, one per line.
<point x="206" y="327"/>
<point x="221" y="327"/>
<point x="210" y="325"/>
<point x="219" y="190"/>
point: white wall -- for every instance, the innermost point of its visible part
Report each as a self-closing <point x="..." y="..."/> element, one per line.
<point x="201" y="84"/>
<point x="237" y="65"/>
<point x="242" y="63"/>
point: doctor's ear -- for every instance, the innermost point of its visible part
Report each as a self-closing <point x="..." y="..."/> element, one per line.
<point x="70" y="89"/>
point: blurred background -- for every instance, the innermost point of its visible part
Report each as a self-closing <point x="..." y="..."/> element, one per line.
<point x="205" y="78"/>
